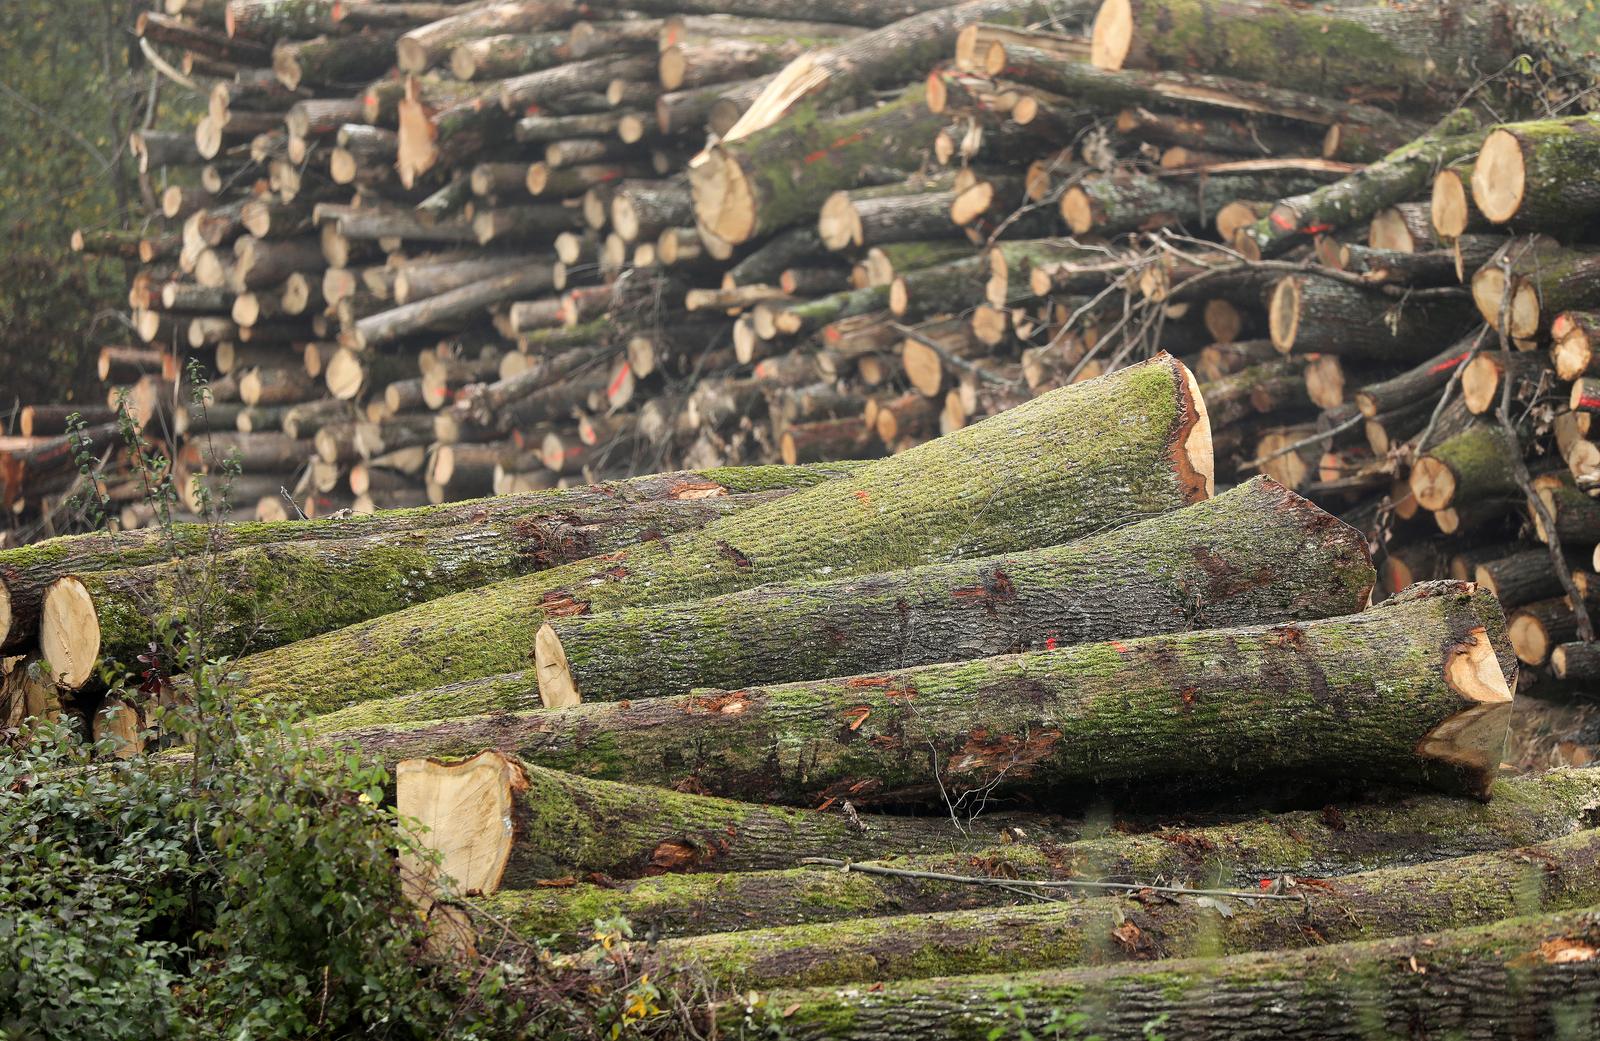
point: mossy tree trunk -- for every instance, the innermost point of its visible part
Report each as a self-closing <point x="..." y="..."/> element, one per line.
<point x="25" y="571"/>
<point x="1448" y="894"/>
<point x="498" y="823"/>
<point x="1062" y="465"/>
<point x="1336" y="840"/>
<point x="1523" y="978"/>
<point x="1257" y="554"/>
<point x="1413" y="690"/>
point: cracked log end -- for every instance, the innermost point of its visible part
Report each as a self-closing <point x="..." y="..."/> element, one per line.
<point x="69" y="632"/>
<point x="1499" y="177"/>
<point x="556" y="688"/>
<point x="723" y="198"/>
<point x="1449" y="207"/>
<point x="462" y="810"/>
<point x="1433" y="485"/>
<point x="1473" y="740"/>
<point x="1192" y="451"/>
<point x="1112" y="35"/>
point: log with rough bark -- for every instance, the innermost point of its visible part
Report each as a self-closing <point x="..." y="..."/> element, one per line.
<point x="496" y="822"/>
<point x="1530" y="280"/>
<point x="782" y="175"/>
<point x="1202" y="567"/>
<point x="1472" y="466"/>
<point x="1536" y="173"/>
<point x="1114" y="203"/>
<point x="1553" y="876"/>
<point x="388" y="326"/>
<point x="1525" y="978"/>
<point x="290" y="590"/>
<point x="1339" y="839"/>
<point x="1398" y="176"/>
<point x="1317" y="314"/>
<point x="1413" y="57"/>
<point x="1411" y="690"/>
<point x="25" y="571"/>
<point x="1046" y="471"/>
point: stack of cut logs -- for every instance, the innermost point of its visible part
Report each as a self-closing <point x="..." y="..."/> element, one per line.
<point x="825" y="734"/>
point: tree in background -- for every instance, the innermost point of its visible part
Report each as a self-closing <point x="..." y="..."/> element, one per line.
<point x="69" y="95"/>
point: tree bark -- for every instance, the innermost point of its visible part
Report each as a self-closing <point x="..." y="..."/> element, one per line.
<point x="1111" y="204"/>
<point x="499" y="823"/>
<point x="1424" y="381"/>
<point x="1522" y="978"/>
<point x="1537" y="173"/>
<point x="395" y="324"/>
<point x="1470" y="467"/>
<point x="1047" y="469"/>
<point x="1337" y="840"/>
<point x="1256" y="554"/>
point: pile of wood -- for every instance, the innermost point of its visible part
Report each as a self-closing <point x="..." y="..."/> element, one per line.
<point x="823" y="734"/>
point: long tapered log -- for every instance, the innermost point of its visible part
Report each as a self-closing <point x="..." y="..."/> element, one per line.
<point x="1115" y="203"/>
<point x="26" y="570"/>
<point x="1522" y="978"/>
<point x="1424" y="380"/>
<point x="1411" y="56"/>
<point x="1520" y="578"/>
<point x="510" y="54"/>
<point x="1553" y="876"/>
<point x="1428" y="670"/>
<point x="337" y="59"/>
<point x="1289" y="561"/>
<point x="1470" y="467"/>
<point x="496" y="822"/>
<point x="889" y="57"/>
<point x="521" y="94"/>
<point x="1312" y="314"/>
<point x="293" y="590"/>
<point x="846" y="12"/>
<point x="402" y="321"/>
<point x="861" y="528"/>
<point x="1340" y="839"/>
<point x="1398" y="176"/>
<point x="781" y="176"/>
<point x="1536" y="173"/>
<point x="419" y="281"/>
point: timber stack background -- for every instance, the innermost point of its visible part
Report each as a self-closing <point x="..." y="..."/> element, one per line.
<point x="421" y="253"/>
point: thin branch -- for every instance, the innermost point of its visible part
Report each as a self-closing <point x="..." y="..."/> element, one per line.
<point x="1061" y="883"/>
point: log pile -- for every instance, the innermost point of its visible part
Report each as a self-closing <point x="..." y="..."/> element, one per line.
<point x="837" y="726"/>
<point x="512" y="260"/>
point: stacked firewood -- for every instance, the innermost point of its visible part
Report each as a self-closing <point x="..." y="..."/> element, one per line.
<point x="508" y="263"/>
<point x="823" y="734"/>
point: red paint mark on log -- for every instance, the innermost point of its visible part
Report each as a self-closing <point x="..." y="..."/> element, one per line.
<point x="1588" y="402"/>
<point x="1280" y="221"/>
<point x="616" y="574"/>
<point x="733" y="554"/>
<point x="1050" y="643"/>
<point x="1119" y="647"/>
<point x="822" y="153"/>
<point x="864" y="497"/>
<point x="1186" y="695"/>
<point x="616" y="383"/>
<point x="829" y="801"/>
<point x="1448" y="363"/>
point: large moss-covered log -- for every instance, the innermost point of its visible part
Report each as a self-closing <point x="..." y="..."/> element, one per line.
<point x="781" y="176"/>
<point x="1562" y="875"/>
<point x="1540" y="174"/>
<point x="1415" y="56"/>
<point x="25" y="571"/>
<point x="1397" y="177"/>
<point x="1416" y="689"/>
<point x="1067" y="463"/>
<point x="1256" y="554"/>
<point x="1525" y="978"/>
<point x="1337" y="840"/>
<point x="496" y="822"/>
<point x="266" y="596"/>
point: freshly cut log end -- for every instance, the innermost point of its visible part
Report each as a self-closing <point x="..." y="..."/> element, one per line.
<point x="1432" y="483"/>
<point x="1112" y="35"/>
<point x="462" y="810"/>
<point x="1499" y="177"/>
<point x="1473" y="740"/>
<point x="1450" y="206"/>
<point x="1077" y="210"/>
<point x="1197" y="462"/>
<point x="5" y="612"/>
<point x="1283" y="313"/>
<point x="556" y="688"/>
<point x="69" y="632"/>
